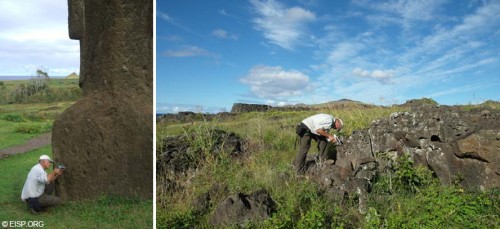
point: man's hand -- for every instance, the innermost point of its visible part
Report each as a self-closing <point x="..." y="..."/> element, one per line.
<point x="58" y="171"/>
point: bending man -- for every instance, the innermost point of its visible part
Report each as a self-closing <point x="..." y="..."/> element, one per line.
<point x="316" y="127"/>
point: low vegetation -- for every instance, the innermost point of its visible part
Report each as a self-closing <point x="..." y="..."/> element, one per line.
<point x="39" y="89"/>
<point x="406" y="197"/>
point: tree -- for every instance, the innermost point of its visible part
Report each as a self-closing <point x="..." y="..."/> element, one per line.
<point x="41" y="74"/>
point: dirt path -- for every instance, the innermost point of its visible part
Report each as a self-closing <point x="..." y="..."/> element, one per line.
<point x="34" y="143"/>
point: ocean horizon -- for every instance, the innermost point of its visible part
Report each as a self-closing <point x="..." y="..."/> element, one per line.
<point x="6" y="78"/>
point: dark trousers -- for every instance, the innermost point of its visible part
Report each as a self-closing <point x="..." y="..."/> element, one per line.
<point x="305" y="143"/>
<point x="45" y="200"/>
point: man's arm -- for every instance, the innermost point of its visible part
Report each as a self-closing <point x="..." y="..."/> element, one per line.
<point x="330" y="137"/>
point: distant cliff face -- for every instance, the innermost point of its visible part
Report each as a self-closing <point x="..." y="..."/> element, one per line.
<point x="105" y="139"/>
<point x="243" y="107"/>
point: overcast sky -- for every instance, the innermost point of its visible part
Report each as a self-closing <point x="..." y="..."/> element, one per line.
<point x="211" y="54"/>
<point x="34" y="34"/>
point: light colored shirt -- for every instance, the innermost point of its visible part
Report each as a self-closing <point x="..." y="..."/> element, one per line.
<point x="319" y="121"/>
<point x="35" y="183"/>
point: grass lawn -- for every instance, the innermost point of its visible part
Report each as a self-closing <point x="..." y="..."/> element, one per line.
<point x="105" y="212"/>
<point x="21" y="122"/>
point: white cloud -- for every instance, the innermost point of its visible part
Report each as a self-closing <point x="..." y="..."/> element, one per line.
<point x="275" y="82"/>
<point x="174" y="22"/>
<point x="34" y="34"/>
<point x="220" y="33"/>
<point x="406" y="13"/>
<point x="376" y="74"/>
<point x="282" y="26"/>
<point x="276" y="103"/>
<point x="189" y="51"/>
<point x="344" y="51"/>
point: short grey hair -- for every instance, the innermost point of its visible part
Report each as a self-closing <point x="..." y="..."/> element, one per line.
<point x="341" y="123"/>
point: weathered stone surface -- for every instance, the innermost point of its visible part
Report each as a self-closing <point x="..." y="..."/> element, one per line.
<point x="240" y="209"/>
<point x="204" y="202"/>
<point x="178" y="154"/>
<point x="105" y="138"/>
<point x="455" y="144"/>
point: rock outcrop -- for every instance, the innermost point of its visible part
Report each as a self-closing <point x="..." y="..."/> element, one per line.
<point x="176" y="155"/>
<point x="459" y="146"/>
<point x="240" y="209"/>
<point x="105" y="139"/>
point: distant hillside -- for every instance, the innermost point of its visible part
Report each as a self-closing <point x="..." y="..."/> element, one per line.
<point x="338" y="104"/>
<point x="72" y="76"/>
<point x="343" y="103"/>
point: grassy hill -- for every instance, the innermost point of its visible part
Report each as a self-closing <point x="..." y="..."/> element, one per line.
<point x="267" y="164"/>
<point x="72" y="76"/>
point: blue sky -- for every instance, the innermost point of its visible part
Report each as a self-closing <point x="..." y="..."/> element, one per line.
<point x="211" y="54"/>
<point x="34" y="34"/>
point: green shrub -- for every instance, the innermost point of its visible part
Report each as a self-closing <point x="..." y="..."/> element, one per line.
<point x="408" y="178"/>
<point x="13" y="117"/>
<point x="403" y="177"/>
<point x="314" y="218"/>
<point x="32" y="128"/>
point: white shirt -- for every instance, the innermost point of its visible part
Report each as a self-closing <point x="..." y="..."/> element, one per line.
<point x="319" y="121"/>
<point x="35" y="183"/>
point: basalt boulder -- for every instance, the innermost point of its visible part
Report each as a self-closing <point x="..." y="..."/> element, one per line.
<point x="240" y="209"/>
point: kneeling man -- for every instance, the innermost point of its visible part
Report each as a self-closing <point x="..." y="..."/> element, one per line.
<point x="38" y="186"/>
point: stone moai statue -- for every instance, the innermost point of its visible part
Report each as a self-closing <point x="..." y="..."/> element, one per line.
<point x="105" y="139"/>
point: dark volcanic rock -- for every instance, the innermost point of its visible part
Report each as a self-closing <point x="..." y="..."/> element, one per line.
<point x="452" y="142"/>
<point x="240" y="209"/>
<point x="455" y="144"/>
<point x="178" y="157"/>
<point x="177" y="154"/>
